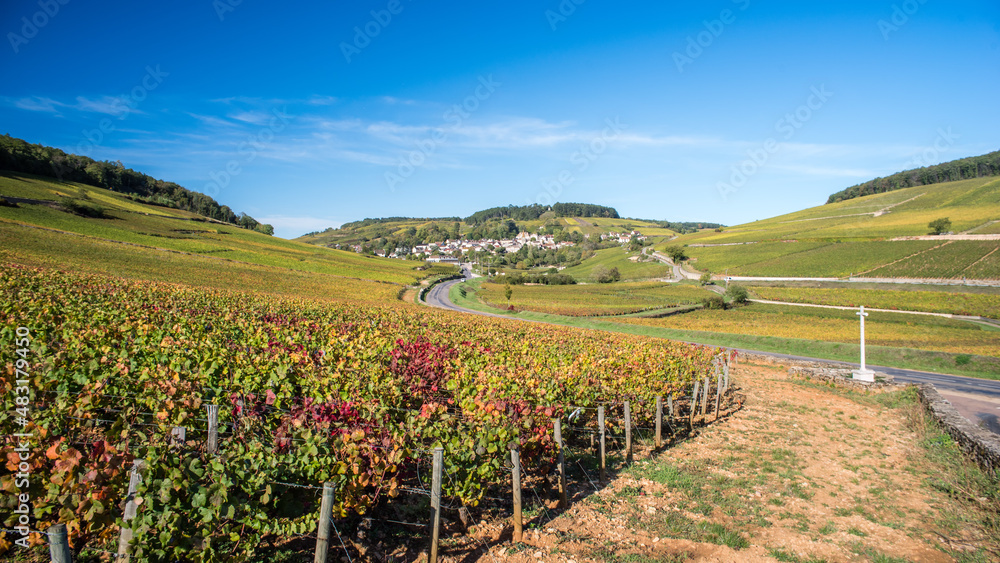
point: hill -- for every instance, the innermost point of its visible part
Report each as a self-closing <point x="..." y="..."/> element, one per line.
<point x="387" y="234"/>
<point x="880" y="235"/>
<point x="73" y="226"/>
<point x="19" y="156"/>
<point x="961" y="169"/>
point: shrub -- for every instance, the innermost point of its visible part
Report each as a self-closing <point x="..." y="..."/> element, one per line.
<point x="604" y="275"/>
<point x="714" y="302"/>
<point x="84" y="209"/>
<point x="705" y="279"/>
<point x="738" y="294"/>
<point x="940" y="226"/>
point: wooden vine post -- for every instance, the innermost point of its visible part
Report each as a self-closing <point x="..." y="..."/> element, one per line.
<point x="323" y="528"/>
<point x="560" y="462"/>
<point x="213" y="429"/>
<point x="718" y="393"/>
<point x="628" y="433"/>
<point x="59" y="544"/>
<point x="604" y="460"/>
<point x="694" y="404"/>
<point x="436" y="503"/>
<point x="704" y="397"/>
<point x="131" y="507"/>
<point x="178" y="436"/>
<point x="659" y="422"/>
<point x="515" y="473"/>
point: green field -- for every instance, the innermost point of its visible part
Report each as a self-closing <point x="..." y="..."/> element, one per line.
<point x="139" y="225"/>
<point x="839" y="239"/>
<point x="950" y="302"/>
<point x="618" y="258"/>
<point x="593" y="299"/>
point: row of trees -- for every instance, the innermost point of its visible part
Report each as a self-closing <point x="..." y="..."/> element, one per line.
<point x="684" y="227"/>
<point x="535" y="211"/>
<point x="20" y="156"/>
<point x="964" y="168"/>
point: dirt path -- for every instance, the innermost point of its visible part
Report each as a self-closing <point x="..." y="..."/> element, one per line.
<point x="801" y="473"/>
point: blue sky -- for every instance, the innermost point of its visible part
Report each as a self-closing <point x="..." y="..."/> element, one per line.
<point x="307" y="115"/>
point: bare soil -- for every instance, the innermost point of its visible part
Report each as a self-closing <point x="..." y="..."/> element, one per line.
<point x="802" y="472"/>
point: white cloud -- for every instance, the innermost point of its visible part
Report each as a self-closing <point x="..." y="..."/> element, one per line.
<point x="37" y="103"/>
<point x="109" y="105"/>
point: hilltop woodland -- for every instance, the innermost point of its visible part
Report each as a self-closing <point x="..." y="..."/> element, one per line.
<point x="961" y="169"/>
<point x="20" y="156"/>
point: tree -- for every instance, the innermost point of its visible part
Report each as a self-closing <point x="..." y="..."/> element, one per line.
<point x="940" y="226"/>
<point x="738" y="294"/>
<point x="676" y="253"/>
<point x="602" y="274"/>
<point x="705" y="278"/>
<point x="507" y="292"/>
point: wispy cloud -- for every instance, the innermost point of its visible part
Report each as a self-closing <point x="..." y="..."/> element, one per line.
<point x="36" y="103"/>
<point x="108" y="105"/>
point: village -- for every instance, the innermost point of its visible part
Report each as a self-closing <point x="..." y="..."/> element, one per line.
<point x="450" y="251"/>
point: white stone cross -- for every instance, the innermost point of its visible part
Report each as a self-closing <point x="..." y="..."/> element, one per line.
<point x="863" y="374"/>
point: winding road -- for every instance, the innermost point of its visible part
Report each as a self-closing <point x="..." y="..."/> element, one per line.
<point x="977" y="399"/>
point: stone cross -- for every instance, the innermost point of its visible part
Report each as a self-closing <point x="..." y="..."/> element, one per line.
<point x="864" y="374"/>
<point x="862" y="314"/>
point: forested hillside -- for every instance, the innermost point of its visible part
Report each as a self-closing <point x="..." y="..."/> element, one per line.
<point x="18" y="155"/>
<point x="535" y="211"/>
<point x="961" y="169"/>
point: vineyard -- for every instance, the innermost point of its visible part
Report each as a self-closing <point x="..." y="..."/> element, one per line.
<point x="806" y="259"/>
<point x="893" y="330"/>
<point x="104" y="370"/>
<point x="955" y="303"/>
<point x="971" y="259"/>
<point x="593" y="300"/>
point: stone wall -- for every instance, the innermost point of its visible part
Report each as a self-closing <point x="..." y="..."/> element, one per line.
<point x="844" y="377"/>
<point x="981" y="445"/>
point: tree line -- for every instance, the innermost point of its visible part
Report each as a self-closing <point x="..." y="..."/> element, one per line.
<point x="535" y="211"/>
<point x="18" y="155"/>
<point x="684" y="227"/>
<point x="961" y="169"/>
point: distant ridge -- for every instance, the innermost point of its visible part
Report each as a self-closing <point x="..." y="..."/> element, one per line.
<point x="17" y="155"/>
<point x="535" y="211"/>
<point x="961" y="169"/>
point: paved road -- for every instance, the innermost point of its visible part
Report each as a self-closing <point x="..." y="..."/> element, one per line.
<point x="977" y="399"/>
